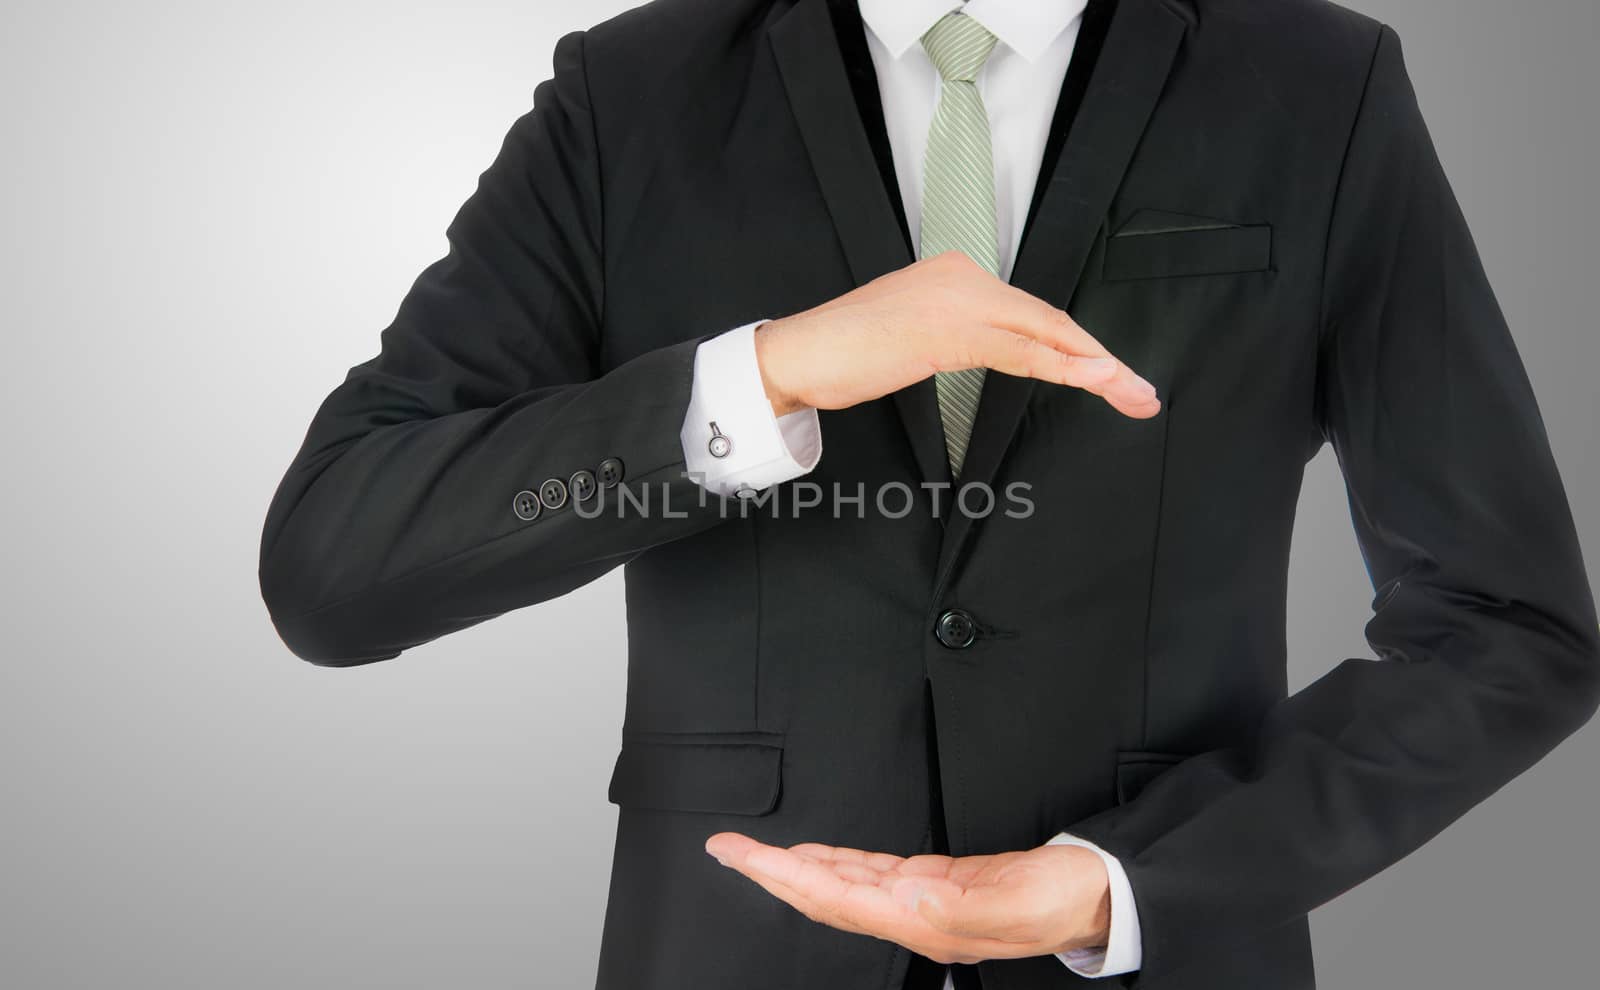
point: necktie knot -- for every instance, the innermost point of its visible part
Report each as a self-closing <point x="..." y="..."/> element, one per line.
<point x="958" y="46"/>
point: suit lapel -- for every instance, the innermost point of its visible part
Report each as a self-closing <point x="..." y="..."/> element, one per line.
<point x="1127" y="79"/>
<point x="815" y="80"/>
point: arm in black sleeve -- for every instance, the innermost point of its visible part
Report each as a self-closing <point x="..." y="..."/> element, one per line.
<point x="1483" y="626"/>
<point x="394" y="523"/>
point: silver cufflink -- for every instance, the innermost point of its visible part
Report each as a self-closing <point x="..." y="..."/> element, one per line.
<point x="720" y="445"/>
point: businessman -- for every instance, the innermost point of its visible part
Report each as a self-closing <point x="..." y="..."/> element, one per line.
<point x="942" y="376"/>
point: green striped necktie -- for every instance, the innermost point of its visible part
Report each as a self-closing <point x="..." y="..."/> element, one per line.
<point x="958" y="195"/>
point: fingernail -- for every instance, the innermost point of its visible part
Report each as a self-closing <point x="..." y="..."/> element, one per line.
<point x="1101" y="366"/>
<point x="1148" y="388"/>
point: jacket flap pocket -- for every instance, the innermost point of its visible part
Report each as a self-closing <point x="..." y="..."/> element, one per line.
<point x="1135" y="771"/>
<point x="1167" y="245"/>
<point x="734" y="773"/>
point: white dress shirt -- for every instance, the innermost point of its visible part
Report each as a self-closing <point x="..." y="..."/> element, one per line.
<point x="1019" y="85"/>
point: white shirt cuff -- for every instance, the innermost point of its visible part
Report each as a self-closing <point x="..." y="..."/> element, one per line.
<point x="732" y="440"/>
<point x="1123" y="951"/>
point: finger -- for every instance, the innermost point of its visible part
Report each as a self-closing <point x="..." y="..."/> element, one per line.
<point x="821" y="883"/>
<point x="981" y="345"/>
<point x="1020" y="311"/>
<point x="753" y="859"/>
<point x="855" y="872"/>
<point x="974" y="292"/>
<point x="851" y="865"/>
<point x="854" y="869"/>
<point x="1026" y="357"/>
<point x="878" y="861"/>
<point x="1126" y="391"/>
<point x="804" y="905"/>
<point x="963" y="871"/>
<point x="757" y="859"/>
<point x="834" y="899"/>
<point x="1136" y="409"/>
<point x="816" y="887"/>
<point x="729" y="847"/>
<point x="930" y="865"/>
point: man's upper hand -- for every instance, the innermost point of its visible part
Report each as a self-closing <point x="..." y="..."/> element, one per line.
<point x="943" y="313"/>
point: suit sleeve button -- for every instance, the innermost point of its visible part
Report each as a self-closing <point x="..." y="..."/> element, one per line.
<point x="526" y="505"/>
<point x="582" y="486"/>
<point x="553" y="493"/>
<point x="610" y="472"/>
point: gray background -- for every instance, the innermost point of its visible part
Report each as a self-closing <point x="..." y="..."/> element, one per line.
<point x="211" y="210"/>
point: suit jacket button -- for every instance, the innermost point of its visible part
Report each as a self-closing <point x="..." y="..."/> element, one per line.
<point x="526" y="505"/>
<point x="956" y="629"/>
<point x="582" y="486"/>
<point x="553" y="493"/>
<point x="610" y="472"/>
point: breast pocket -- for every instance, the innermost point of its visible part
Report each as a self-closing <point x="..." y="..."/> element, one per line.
<point x="1157" y="244"/>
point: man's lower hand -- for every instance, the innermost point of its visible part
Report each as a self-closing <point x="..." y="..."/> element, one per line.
<point x="949" y="909"/>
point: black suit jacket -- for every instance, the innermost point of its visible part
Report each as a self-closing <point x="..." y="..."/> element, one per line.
<point x="1247" y="208"/>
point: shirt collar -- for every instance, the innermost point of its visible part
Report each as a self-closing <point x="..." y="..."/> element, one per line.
<point x="1027" y="27"/>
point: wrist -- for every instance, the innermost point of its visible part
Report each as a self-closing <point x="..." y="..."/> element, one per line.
<point x="1086" y="915"/>
<point x="770" y="363"/>
<point x="1099" y="926"/>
